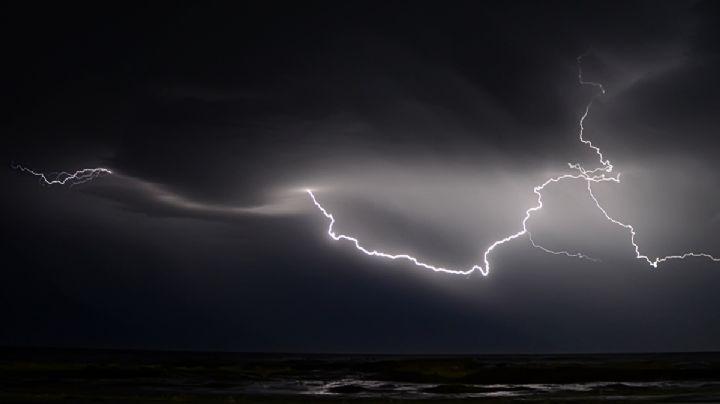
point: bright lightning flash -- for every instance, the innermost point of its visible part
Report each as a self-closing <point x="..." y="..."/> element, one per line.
<point x="602" y="173"/>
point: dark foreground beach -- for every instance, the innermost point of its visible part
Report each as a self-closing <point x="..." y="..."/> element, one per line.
<point x="84" y="376"/>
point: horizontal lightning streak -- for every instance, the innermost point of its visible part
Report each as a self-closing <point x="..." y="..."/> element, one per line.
<point x="376" y="253"/>
<point x="64" y="178"/>
<point x="565" y="253"/>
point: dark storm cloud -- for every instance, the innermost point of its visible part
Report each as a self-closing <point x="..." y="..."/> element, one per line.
<point x="424" y="127"/>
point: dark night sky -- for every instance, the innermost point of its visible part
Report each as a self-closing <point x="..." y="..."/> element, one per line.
<point x="423" y="126"/>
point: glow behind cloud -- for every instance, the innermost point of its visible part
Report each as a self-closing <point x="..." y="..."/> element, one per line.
<point x="600" y="173"/>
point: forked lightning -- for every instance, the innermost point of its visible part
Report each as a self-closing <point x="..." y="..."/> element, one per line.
<point x="602" y="173"/>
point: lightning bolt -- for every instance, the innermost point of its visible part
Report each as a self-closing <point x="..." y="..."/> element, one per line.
<point x="653" y="262"/>
<point x="375" y="253"/>
<point x="602" y="173"/>
<point x="63" y="177"/>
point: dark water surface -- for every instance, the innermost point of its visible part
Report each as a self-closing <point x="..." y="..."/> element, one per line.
<point x="82" y="376"/>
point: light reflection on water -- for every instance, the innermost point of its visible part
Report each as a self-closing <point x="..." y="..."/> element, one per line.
<point x="375" y="388"/>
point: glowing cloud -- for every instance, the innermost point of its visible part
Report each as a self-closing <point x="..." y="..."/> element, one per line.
<point x="600" y="173"/>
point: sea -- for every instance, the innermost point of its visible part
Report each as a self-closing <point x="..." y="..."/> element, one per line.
<point x="32" y="375"/>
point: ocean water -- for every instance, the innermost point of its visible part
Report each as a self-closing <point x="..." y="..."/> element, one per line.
<point x="31" y="375"/>
<point x="378" y="389"/>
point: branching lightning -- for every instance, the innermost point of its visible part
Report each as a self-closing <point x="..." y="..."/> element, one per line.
<point x="63" y="177"/>
<point x="602" y="173"/>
